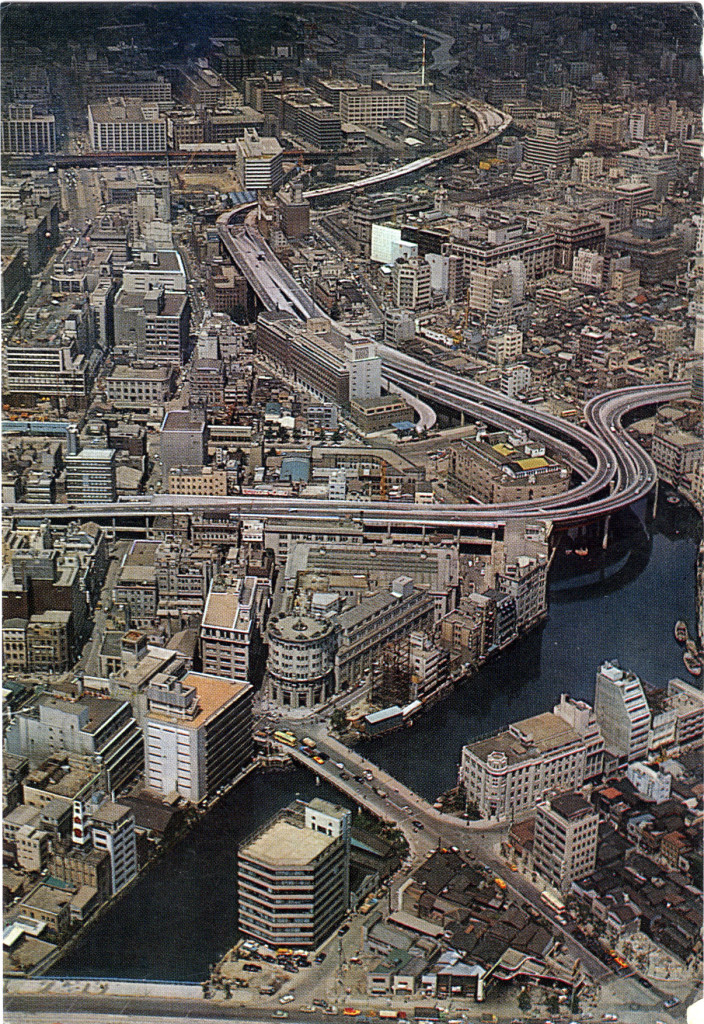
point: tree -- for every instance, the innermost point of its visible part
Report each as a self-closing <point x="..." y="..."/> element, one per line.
<point x="524" y="1001"/>
<point x="338" y="720"/>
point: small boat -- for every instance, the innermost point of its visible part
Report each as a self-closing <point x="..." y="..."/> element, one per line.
<point x="673" y="499"/>
<point x="692" y="664"/>
<point x="681" y="633"/>
<point x="582" y="552"/>
<point x="568" y="551"/>
<point x="692" y="648"/>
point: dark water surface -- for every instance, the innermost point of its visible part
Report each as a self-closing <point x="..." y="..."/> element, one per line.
<point x="180" y="916"/>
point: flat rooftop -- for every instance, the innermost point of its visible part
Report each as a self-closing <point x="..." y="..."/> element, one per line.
<point x="283" y="844"/>
<point x="214" y="692"/>
<point x="541" y="734"/>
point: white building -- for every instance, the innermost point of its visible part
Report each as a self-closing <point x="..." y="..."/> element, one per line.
<point x="506" y="347"/>
<point x="515" y="379"/>
<point x="198" y="734"/>
<point x="506" y="775"/>
<point x="126" y="126"/>
<point x="364" y="367"/>
<point x="331" y="820"/>
<point x="622" y="712"/>
<point x="651" y="784"/>
<point x="26" y="133"/>
<point x="337" y="485"/>
<point x="153" y="268"/>
<point x="91" y="476"/>
<point x="387" y="246"/>
<point x="112" y="827"/>
<point x="259" y="162"/>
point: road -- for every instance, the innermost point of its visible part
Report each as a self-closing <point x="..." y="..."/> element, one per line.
<point x="402" y="807"/>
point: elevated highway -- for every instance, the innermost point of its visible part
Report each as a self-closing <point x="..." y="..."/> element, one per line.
<point x="492" y="123"/>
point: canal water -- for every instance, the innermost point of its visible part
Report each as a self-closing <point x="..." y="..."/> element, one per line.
<point x="180" y="916"/>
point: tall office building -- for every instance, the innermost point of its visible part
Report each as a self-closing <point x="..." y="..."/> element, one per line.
<point x="198" y="734"/>
<point x="566" y="835"/>
<point x="126" y="126"/>
<point x="411" y="283"/>
<point x="228" y="629"/>
<point x="259" y="162"/>
<point x="622" y="713"/>
<point x="293" y="879"/>
<point x="364" y="366"/>
<point x="112" y="826"/>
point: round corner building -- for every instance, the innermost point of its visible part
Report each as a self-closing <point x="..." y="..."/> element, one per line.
<point x="301" y="662"/>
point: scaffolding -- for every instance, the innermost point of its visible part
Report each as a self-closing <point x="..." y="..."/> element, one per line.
<point x="392" y="678"/>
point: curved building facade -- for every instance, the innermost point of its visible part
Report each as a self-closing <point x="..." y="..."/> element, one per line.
<point x="301" y="662"/>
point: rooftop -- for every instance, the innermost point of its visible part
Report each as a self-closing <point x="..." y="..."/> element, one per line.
<point x="214" y="693"/>
<point x="282" y="844"/>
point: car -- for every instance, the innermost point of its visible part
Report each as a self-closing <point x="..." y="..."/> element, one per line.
<point x="281" y="1014"/>
<point x="359" y="778"/>
<point x="340" y="765"/>
<point x="288" y="998"/>
<point x="669" y="1003"/>
<point x="610" y="1017"/>
<point x="344" y="775"/>
<point x="417" y="824"/>
<point x="343" y="931"/>
<point x="319" y="959"/>
<point x="318" y="760"/>
<point x="252" y="968"/>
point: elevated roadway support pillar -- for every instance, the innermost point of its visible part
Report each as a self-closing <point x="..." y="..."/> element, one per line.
<point x="605" y="538"/>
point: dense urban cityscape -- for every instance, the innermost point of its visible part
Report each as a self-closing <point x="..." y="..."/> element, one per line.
<point x="352" y="470"/>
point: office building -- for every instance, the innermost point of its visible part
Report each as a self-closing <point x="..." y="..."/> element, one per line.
<point x="26" y="133"/>
<point x="300" y="668"/>
<point x="507" y="775"/>
<point x="229" y="629"/>
<point x="184" y="440"/>
<point x="91" y="477"/>
<point x="588" y="268"/>
<point x="411" y="283"/>
<point x="506" y="347"/>
<point x="364" y="368"/>
<point x="547" y="148"/>
<point x="496" y="467"/>
<point x="153" y="268"/>
<point x="293" y="879"/>
<point x="259" y="162"/>
<point x="126" y="126"/>
<point x="91" y="726"/>
<point x="129" y="387"/>
<point x="622" y="713"/>
<point x="152" y="325"/>
<point x="565" y="840"/>
<point x="198" y="734"/>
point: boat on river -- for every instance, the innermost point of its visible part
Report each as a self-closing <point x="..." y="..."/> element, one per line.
<point x="692" y="664"/>
<point x="681" y="633"/>
<point x="582" y="552"/>
<point x="692" y="647"/>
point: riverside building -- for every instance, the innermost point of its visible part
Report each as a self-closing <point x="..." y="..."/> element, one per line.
<point x="293" y="877"/>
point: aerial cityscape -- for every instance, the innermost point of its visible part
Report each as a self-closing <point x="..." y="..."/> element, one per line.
<point x="353" y="479"/>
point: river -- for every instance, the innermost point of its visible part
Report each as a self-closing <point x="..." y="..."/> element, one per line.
<point x="180" y="916"/>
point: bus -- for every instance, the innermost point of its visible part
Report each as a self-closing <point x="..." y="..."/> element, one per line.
<point x="287" y="738"/>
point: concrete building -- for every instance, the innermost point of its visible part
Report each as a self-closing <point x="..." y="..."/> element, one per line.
<point x="364" y="370"/>
<point x="506" y="347"/>
<point x="184" y="440"/>
<point x="301" y="663"/>
<point x="497" y="467"/>
<point x="126" y="126"/>
<point x="507" y="775"/>
<point x="292" y="882"/>
<point x="547" y="148"/>
<point x="91" y="726"/>
<point x="259" y="162"/>
<point x="364" y="629"/>
<point x="198" y="734"/>
<point x="91" y="476"/>
<point x="588" y="268"/>
<point x="154" y="267"/>
<point x="565" y="840"/>
<point x="229" y="629"/>
<point x="27" y="133"/>
<point x="197" y="480"/>
<point x="411" y="283"/>
<point x="651" y="784"/>
<point x="622" y="713"/>
<point x="111" y="827"/>
<point x="129" y="387"/>
<point x="152" y="325"/>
